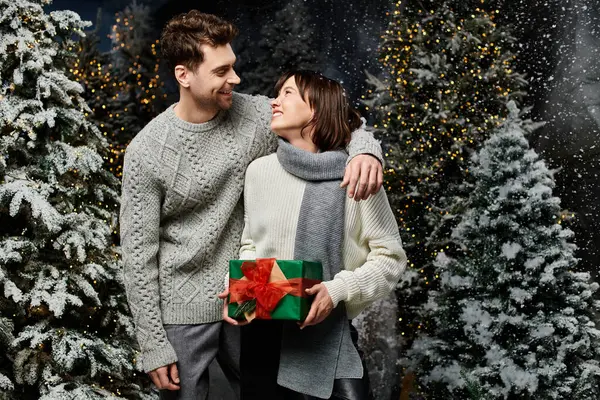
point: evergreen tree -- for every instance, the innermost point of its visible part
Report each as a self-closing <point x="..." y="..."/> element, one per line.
<point x="6" y="338"/>
<point x="288" y="42"/>
<point x="92" y="68"/>
<point x="513" y="319"/>
<point x="62" y="299"/>
<point x="449" y="77"/>
<point x="135" y="69"/>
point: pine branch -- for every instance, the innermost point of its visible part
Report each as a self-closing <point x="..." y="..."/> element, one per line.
<point x="246" y="307"/>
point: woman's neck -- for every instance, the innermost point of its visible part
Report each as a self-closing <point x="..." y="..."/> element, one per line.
<point x="304" y="144"/>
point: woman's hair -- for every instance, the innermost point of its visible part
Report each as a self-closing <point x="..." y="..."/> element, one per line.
<point x="334" y="119"/>
<point x="183" y="35"/>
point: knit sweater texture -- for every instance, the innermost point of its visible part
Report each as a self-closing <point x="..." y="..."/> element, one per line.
<point x="182" y="214"/>
<point x="372" y="253"/>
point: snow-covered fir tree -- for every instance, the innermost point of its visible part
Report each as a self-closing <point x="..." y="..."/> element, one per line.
<point x="288" y="42"/>
<point x="62" y="297"/>
<point x="6" y="338"/>
<point x="513" y="317"/>
<point x="135" y="68"/>
<point x="449" y="77"/>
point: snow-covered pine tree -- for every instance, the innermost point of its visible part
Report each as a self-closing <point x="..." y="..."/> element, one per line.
<point x="135" y="68"/>
<point x="449" y="77"/>
<point x="6" y="338"/>
<point x="62" y="297"/>
<point x="288" y="42"/>
<point x="513" y="318"/>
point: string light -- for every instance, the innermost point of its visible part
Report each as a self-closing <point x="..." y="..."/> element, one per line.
<point x="107" y="85"/>
<point x="450" y="79"/>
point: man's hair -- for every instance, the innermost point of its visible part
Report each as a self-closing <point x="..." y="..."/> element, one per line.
<point x="184" y="34"/>
<point x="334" y="119"/>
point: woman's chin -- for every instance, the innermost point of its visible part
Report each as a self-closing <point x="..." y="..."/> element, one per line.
<point x="278" y="133"/>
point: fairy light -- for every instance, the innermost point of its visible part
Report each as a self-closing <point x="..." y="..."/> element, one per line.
<point x="107" y="86"/>
<point x="435" y="114"/>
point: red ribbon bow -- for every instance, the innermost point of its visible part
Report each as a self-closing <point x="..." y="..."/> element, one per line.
<point x="257" y="286"/>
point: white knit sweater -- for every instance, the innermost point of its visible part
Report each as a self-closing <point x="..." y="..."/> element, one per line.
<point x="373" y="256"/>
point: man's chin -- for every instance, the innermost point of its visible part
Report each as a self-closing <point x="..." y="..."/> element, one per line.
<point x="225" y="104"/>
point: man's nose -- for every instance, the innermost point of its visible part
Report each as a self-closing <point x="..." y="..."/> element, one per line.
<point x="235" y="79"/>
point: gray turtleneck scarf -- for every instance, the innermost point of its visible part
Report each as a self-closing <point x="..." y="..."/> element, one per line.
<point x="313" y="358"/>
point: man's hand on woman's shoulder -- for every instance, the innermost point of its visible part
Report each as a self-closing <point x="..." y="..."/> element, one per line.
<point x="363" y="177"/>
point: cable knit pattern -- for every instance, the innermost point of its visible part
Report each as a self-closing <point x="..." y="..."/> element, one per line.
<point x="372" y="249"/>
<point x="182" y="214"/>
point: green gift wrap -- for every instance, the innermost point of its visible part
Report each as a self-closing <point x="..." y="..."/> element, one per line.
<point x="267" y="288"/>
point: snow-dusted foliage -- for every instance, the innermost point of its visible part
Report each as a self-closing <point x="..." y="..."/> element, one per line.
<point x="6" y="338"/>
<point x="132" y="33"/>
<point x="93" y="70"/>
<point x="512" y="318"/>
<point x="122" y="87"/>
<point x="288" y="42"/>
<point x="380" y="345"/>
<point x="449" y="76"/>
<point x="65" y="330"/>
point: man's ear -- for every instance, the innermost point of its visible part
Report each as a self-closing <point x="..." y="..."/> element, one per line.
<point x="182" y="75"/>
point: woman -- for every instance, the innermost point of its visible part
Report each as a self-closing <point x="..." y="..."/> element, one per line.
<point x="295" y="209"/>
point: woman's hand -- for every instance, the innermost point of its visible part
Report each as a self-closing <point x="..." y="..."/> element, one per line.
<point x="226" y="316"/>
<point x="321" y="307"/>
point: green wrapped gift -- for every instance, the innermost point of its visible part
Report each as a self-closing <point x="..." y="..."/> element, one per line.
<point x="267" y="288"/>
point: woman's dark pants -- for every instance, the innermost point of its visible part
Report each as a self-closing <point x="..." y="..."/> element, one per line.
<point x="259" y="362"/>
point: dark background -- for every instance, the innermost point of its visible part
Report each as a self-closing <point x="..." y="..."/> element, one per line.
<point x="350" y="29"/>
<point x="559" y="49"/>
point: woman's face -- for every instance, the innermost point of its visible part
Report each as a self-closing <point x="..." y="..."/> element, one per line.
<point x="290" y="112"/>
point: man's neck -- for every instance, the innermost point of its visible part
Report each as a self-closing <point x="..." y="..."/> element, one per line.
<point x="190" y="111"/>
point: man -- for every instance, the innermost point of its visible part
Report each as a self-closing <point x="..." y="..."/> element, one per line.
<point x="182" y="211"/>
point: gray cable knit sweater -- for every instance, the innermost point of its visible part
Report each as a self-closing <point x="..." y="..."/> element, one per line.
<point x="182" y="214"/>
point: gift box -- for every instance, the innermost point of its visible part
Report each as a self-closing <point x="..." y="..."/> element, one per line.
<point x="267" y="288"/>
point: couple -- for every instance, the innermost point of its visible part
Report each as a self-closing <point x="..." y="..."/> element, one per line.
<point x="183" y="218"/>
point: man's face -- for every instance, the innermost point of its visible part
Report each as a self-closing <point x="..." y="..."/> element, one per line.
<point x="212" y="83"/>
